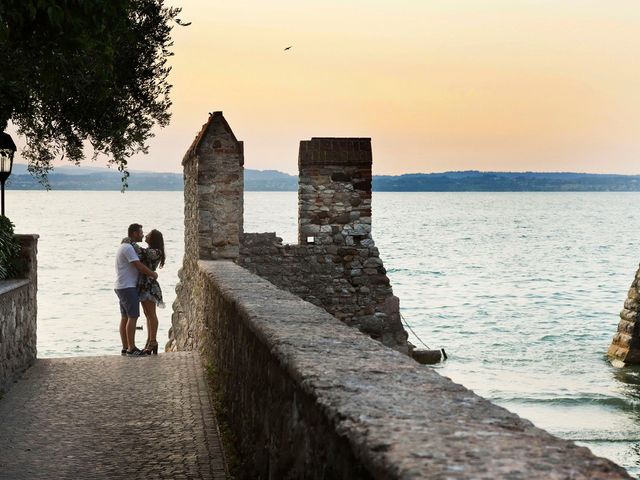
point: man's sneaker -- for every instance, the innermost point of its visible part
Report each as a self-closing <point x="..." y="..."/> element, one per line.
<point x="136" y="352"/>
<point x="123" y="352"/>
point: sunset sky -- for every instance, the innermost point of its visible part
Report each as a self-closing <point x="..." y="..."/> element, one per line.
<point x="438" y="85"/>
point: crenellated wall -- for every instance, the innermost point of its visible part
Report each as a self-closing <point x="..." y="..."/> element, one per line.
<point x="18" y="315"/>
<point x="348" y="282"/>
<point x="307" y="396"/>
<point x="336" y="265"/>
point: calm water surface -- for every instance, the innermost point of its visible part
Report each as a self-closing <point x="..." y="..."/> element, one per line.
<point x="522" y="289"/>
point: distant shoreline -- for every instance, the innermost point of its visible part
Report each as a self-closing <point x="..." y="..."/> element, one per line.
<point x="94" y="179"/>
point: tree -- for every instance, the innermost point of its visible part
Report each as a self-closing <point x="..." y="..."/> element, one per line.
<point x="77" y="71"/>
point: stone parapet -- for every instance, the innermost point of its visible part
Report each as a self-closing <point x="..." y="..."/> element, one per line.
<point x="309" y="397"/>
<point x="18" y="315"/>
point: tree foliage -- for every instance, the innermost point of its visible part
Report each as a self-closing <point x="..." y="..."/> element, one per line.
<point x="77" y="71"/>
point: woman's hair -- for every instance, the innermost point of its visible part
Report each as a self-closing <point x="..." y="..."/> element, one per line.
<point x="156" y="241"/>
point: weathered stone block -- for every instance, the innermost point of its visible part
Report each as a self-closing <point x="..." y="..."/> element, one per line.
<point x="342" y="218"/>
<point x="373" y="262"/>
<point x="629" y="315"/>
<point x="367" y="242"/>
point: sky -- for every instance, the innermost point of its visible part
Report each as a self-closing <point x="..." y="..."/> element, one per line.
<point x="439" y="85"/>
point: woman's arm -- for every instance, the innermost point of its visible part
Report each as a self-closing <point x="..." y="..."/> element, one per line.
<point x="142" y="268"/>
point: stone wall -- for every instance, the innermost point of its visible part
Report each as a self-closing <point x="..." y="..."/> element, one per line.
<point x="308" y="397"/>
<point x="625" y="346"/>
<point x="339" y="270"/>
<point x="348" y="282"/>
<point x="18" y="316"/>
<point x="336" y="264"/>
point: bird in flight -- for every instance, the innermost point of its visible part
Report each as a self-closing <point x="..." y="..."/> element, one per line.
<point x="288" y="48"/>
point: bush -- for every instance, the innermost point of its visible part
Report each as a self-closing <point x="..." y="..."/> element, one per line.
<point x="9" y="250"/>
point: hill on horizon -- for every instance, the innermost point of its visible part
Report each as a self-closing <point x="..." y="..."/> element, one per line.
<point x="99" y="178"/>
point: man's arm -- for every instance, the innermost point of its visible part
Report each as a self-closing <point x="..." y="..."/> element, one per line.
<point x="143" y="269"/>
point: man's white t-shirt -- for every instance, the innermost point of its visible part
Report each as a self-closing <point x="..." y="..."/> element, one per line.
<point x="126" y="273"/>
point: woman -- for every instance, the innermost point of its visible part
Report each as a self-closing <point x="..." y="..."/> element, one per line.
<point x="149" y="288"/>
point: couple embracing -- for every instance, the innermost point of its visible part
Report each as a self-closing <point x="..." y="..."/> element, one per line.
<point x="137" y="282"/>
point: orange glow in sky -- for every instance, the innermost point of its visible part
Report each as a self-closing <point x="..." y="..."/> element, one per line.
<point x="439" y="85"/>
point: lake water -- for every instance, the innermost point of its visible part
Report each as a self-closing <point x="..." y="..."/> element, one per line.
<point x="523" y="290"/>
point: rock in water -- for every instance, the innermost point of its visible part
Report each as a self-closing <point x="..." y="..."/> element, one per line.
<point x="427" y="357"/>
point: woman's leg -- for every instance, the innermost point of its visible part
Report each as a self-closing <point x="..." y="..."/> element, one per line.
<point x="149" y="308"/>
<point x="145" y="309"/>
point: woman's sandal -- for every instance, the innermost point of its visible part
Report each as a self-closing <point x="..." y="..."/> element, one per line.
<point x="151" y="348"/>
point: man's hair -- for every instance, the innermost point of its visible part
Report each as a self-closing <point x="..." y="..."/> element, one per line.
<point x="134" y="227"/>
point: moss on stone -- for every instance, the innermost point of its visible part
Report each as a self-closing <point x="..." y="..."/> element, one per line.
<point x="222" y="417"/>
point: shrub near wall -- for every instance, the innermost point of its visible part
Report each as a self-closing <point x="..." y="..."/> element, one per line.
<point x="9" y="250"/>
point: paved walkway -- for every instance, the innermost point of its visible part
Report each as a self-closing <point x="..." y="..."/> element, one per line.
<point x="111" y="418"/>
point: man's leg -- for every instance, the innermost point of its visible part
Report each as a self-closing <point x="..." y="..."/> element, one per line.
<point x="123" y="332"/>
<point x="131" y="332"/>
<point x="123" y="321"/>
<point x="130" y="309"/>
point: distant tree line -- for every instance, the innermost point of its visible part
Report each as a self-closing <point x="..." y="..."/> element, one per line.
<point x="474" y="181"/>
<point x="271" y="180"/>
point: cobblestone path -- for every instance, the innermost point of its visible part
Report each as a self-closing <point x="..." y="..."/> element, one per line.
<point x="111" y="417"/>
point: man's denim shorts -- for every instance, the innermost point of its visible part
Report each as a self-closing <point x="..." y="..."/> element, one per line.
<point x="129" y="302"/>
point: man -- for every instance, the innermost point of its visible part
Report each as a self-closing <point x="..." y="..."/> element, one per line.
<point x="128" y="267"/>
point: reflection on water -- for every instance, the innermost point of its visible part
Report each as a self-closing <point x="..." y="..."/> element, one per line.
<point x="523" y="290"/>
<point x="629" y="376"/>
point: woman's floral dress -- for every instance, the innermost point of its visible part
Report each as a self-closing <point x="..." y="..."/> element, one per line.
<point x="149" y="288"/>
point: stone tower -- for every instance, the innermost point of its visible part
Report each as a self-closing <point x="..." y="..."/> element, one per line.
<point x="213" y="218"/>
<point x="334" y="191"/>
<point x="334" y="214"/>
<point x="213" y="192"/>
